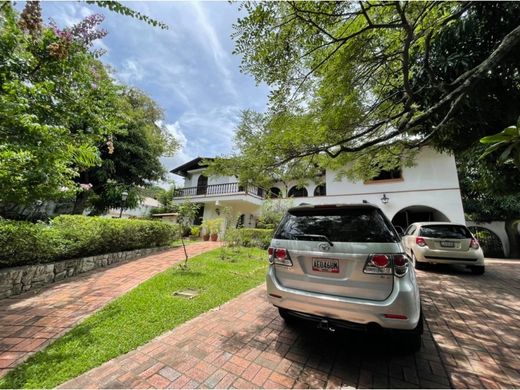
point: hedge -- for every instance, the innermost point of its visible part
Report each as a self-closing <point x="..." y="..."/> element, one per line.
<point x="72" y="236"/>
<point x="248" y="237"/>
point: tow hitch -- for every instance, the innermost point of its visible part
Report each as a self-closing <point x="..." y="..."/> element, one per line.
<point x="324" y="324"/>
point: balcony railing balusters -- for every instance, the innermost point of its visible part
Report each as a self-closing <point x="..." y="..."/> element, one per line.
<point x="219" y="189"/>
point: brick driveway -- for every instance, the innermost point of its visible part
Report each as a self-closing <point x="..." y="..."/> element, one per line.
<point x="472" y="340"/>
<point x="31" y="321"/>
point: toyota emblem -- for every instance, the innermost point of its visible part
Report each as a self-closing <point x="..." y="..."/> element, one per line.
<point x="324" y="247"/>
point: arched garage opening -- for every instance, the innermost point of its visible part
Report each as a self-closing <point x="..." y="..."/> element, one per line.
<point x="412" y="214"/>
<point x="489" y="241"/>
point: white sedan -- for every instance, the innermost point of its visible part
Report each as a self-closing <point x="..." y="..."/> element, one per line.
<point x="443" y="243"/>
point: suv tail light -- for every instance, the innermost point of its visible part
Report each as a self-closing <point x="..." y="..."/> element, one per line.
<point x="378" y="264"/>
<point x="474" y="243"/>
<point x="279" y="256"/>
<point x="420" y="241"/>
<point x="386" y="264"/>
<point x="400" y="265"/>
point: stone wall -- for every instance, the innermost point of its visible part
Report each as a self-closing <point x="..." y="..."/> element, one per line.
<point x="17" y="280"/>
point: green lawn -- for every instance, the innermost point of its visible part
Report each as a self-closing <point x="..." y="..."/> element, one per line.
<point x="142" y="314"/>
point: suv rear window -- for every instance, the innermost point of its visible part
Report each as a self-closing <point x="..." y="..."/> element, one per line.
<point x="339" y="225"/>
<point x="445" y="231"/>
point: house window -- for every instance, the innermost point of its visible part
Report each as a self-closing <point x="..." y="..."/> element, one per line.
<point x="320" y="190"/>
<point x="392" y="174"/>
<point x="202" y="185"/>
<point x="274" y="192"/>
<point x="295" y="192"/>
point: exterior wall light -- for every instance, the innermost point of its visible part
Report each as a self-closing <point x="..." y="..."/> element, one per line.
<point x="385" y="199"/>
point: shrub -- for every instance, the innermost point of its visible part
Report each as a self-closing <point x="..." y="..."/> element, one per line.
<point x="259" y="238"/>
<point x="71" y="236"/>
<point x="195" y="231"/>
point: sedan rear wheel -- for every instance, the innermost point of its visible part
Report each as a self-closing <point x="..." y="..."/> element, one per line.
<point x="417" y="264"/>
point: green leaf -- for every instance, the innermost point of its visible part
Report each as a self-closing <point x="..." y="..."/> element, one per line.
<point x="505" y="154"/>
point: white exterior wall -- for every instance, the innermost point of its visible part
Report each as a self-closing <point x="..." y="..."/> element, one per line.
<point x="193" y="177"/>
<point x="431" y="183"/>
<point x="433" y="170"/>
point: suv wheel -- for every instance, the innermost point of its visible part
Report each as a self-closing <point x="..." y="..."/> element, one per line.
<point x="478" y="269"/>
<point x="413" y="340"/>
<point x="417" y="264"/>
<point x="288" y="318"/>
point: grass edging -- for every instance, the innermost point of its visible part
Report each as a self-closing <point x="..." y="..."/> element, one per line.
<point x="141" y="315"/>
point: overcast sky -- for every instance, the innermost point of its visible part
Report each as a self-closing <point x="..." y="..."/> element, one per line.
<point x="188" y="70"/>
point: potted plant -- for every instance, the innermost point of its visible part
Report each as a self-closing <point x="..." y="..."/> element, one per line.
<point x="205" y="229"/>
<point x="214" y="228"/>
<point x="194" y="232"/>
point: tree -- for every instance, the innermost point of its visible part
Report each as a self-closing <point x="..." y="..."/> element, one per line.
<point x="495" y="102"/>
<point x="491" y="192"/>
<point x="57" y="103"/>
<point x="507" y="142"/>
<point x="132" y="157"/>
<point x="119" y="8"/>
<point x="344" y="79"/>
<point x="187" y="212"/>
<point x="67" y="127"/>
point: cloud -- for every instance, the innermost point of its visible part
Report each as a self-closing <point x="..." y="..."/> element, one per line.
<point x="130" y="71"/>
<point x="188" y="70"/>
<point x="175" y="130"/>
<point x="210" y="39"/>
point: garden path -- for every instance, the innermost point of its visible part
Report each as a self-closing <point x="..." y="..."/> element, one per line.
<point x="31" y="321"/>
<point x="471" y="340"/>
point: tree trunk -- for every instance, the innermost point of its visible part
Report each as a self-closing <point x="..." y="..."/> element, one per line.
<point x="80" y="203"/>
<point x="514" y="237"/>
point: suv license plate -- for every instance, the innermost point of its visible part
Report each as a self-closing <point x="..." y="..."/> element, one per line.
<point x="448" y="244"/>
<point x="325" y="265"/>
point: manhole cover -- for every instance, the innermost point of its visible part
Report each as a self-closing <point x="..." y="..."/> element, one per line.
<point x="188" y="294"/>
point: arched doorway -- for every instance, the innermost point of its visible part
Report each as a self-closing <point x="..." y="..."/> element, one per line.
<point x="274" y="192"/>
<point x="320" y="190"/>
<point x="296" y="192"/>
<point x="489" y="241"/>
<point x="202" y="185"/>
<point x="412" y="214"/>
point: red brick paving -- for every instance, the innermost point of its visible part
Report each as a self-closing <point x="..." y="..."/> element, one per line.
<point x="31" y="321"/>
<point x="471" y="340"/>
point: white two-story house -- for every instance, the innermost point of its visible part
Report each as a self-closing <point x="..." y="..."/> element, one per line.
<point x="428" y="191"/>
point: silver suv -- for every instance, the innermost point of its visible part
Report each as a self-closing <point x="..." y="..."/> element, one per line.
<point x="344" y="266"/>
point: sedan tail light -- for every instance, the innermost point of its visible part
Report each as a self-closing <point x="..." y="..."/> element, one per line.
<point x="474" y="243"/>
<point x="420" y="241"/>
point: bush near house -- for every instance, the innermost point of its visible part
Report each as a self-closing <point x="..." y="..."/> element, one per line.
<point x="71" y="236"/>
<point x="248" y="237"/>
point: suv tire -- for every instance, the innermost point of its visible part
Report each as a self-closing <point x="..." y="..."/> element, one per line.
<point x="288" y="318"/>
<point x="478" y="269"/>
<point x="413" y="340"/>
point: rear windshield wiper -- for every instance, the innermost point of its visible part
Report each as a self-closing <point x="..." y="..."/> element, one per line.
<point x="319" y="236"/>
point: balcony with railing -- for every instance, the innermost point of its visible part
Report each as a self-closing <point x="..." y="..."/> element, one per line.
<point x="219" y="189"/>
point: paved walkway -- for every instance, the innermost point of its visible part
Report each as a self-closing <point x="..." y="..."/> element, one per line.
<point x="30" y="321"/>
<point x="471" y="340"/>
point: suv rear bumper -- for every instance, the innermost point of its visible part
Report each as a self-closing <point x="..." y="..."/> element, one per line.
<point x="404" y="300"/>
